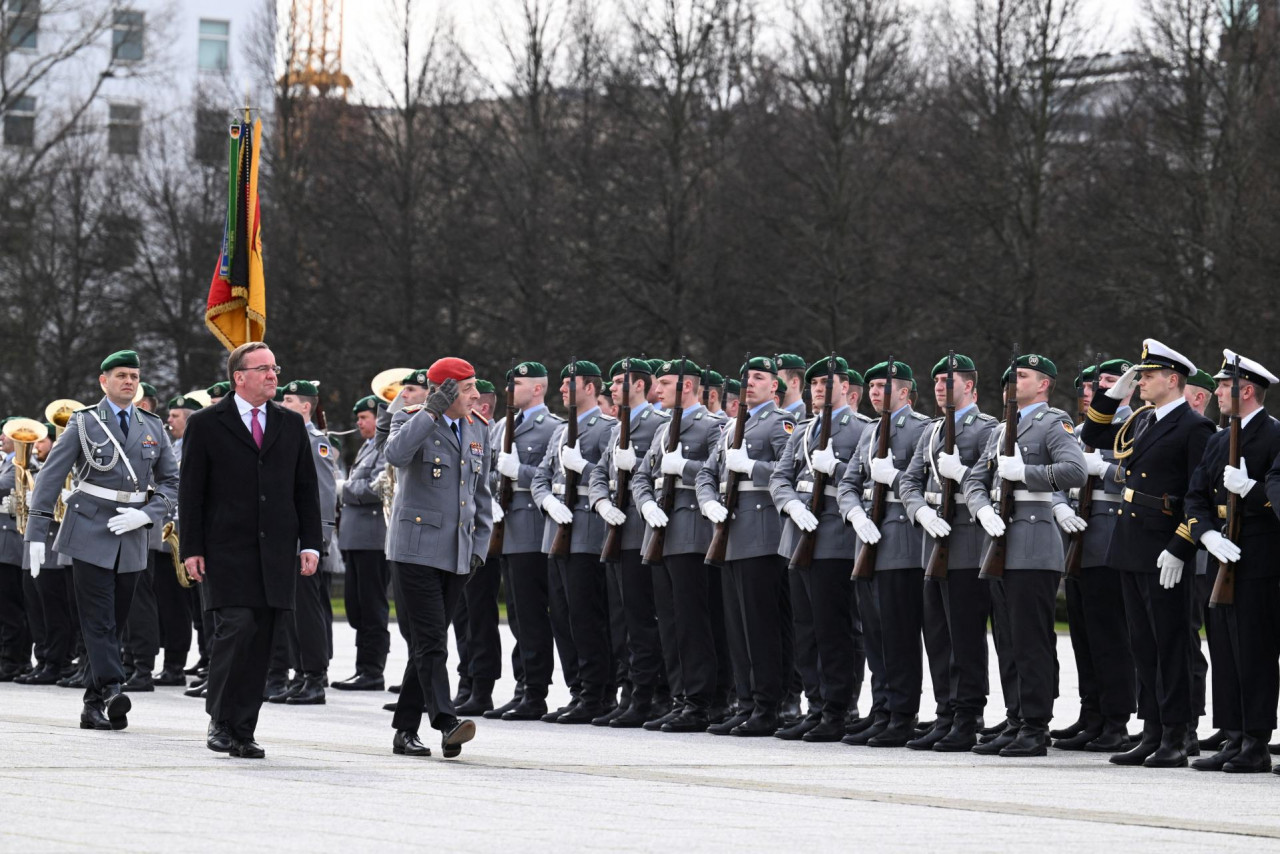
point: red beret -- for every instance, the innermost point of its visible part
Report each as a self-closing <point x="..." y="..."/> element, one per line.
<point x="450" y="368"/>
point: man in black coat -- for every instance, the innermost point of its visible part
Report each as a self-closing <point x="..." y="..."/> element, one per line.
<point x="248" y="507"/>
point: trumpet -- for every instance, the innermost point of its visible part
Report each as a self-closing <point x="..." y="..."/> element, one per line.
<point x="24" y="432"/>
<point x="59" y="415"/>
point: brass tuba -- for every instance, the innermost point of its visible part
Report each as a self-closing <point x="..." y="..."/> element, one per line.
<point x="24" y="432"/>
<point x="387" y="385"/>
<point x="59" y="415"/>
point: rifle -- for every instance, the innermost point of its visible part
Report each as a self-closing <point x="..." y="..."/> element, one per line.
<point x="706" y="388"/>
<point x="993" y="561"/>
<point x="865" y="565"/>
<point x="720" y="537"/>
<point x="802" y="557"/>
<point x="612" y="551"/>
<point x="1084" y="507"/>
<point x="658" y="539"/>
<point x="506" y="486"/>
<point x="941" y="555"/>
<point x="564" y="533"/>
<point x="1224" y="586"/>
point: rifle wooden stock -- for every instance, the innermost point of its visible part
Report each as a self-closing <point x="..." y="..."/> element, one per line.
<point x="864" y="566"/>
<point x="1224" y="584"/>
<point x="564" y="533"/>
<point x="936" y="567"/>
<point x="994" y="560"/>
<point x="720" y="536"/>
<point x="612" y="550"/>
<point x="506" y="486"/>
<point x="658" y="539"/>
<point x="802" y="556"/>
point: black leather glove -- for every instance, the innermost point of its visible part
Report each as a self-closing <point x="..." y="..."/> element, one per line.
<point x="476" y="562"/>
<point x="442" y="398"/>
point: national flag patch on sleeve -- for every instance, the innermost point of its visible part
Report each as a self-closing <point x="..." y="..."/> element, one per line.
<point x="789" y="426"/>
<point x="323" y="450"/>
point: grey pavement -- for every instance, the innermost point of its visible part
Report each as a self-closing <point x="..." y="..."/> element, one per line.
<point x="330" y="782"/>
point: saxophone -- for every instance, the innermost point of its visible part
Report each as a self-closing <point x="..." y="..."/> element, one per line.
<point x="169" y="533"/>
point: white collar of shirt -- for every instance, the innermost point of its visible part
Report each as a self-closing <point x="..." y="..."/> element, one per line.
<point x="1244" y="422"/>
<point x="246" y="410"/>
<point x="1162" y="411"/>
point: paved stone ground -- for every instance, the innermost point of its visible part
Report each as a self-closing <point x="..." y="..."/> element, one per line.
<point x="330" y="782"/>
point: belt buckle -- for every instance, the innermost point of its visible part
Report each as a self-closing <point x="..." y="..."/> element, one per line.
<point x="1222" y="511"/>
<point x="1128" y="495"/>
<point x="124" y="497"/>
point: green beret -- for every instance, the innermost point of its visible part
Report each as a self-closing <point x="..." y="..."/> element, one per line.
<point x="485" y="387"/>
<point x="1115" y="366"/>
<point x="368" y="403"/>
<point x="880" y="370"/>
<point x="636" y="366"/>
<point x="732" y="386"/>
<point x="582" y="368"/>
<point x="53" y="431"/>
<point x="1203" y="379"/>
<point x="654" y="365"/>
<point x="914" y="387"/>
<point x="219" y="389"/>
<point x="418" y="377"/>
<point x="184" y="402"/>
<point x="279" y="398"/>
<point x="148" y="390"/>
<point x="1036" y="362"/>
<point x="818" y="370"/>
<point x="788" y="362"/>
<point x="336" y="441"/>
<point x="855" y="378"/>
<point x="531" y="369"/>
<point x="712" y="379"/>
<point x="962" y="363"/>
<point x="672" y="368"/>
<point x="305" y="388"/>
<point x="1086" y="376"/>
<point x="121" y="359"/>
<point x="760" y="363"/>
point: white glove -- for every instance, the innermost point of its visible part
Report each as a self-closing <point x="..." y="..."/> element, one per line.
<point x="508" y="465"/>
<point x="673" y="462"/>
<point x="933" y="524"/>
<point x="801" y="515"/>
<point x="863" y="526"/>
<point x="1095" y="465"/>
<point x="624" y="458"/>
<point x="991" y="522"/>
<point x="949" y="466"/>
<point x="610" y="513"/>
<point x="653" y="515"/>
<point x="127" y="519"/>
<point x="715" y="511"/>
<point x="379" y="482"/>
<point x="1012" y="468"/>
<point x="825" y="460"/>
<point x="1220" y="547"/>
<point x="36" y="552"/>
<point x="338" y="483"/>
<point x="1124" y="386"/>
<point x="1237" y="479"/>
<point x="498" y="515"/>
<point x="6" y="503"/>
<point x="740" y="461"/>
<point x="555" y="508"/>
<point x="1170" y="570"/>
<point x="1068" y="520"/>
<point x="397" y="402"/>
<point x="571" y="459"/>
<point x="883" y="470"/>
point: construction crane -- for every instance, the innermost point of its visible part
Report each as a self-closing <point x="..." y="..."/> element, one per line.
<point x="315" y="49"/>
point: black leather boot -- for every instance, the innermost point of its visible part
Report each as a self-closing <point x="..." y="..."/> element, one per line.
<point x="1149" y="744"/>
<point x="879" y="722"/>
<point x="1172" y="752"/>
<point x="1032" y="740"/>
<point x="940" y="729"/>
<point x="1254" y="756"/>
<point x="1092" y="729"/>
<point x="796" y="731"/>
<point x="1076" y="728"/>
<point x="901" y="729"/>
<point x="830" y="728"/>
<point x="1008" y="736"/>
<point x="480" y="699"/>
<point x="1232" y="740"/>
<point x="1112" y="739"/>
<point x="961" y="738"/>
<point x="311" y="692"/>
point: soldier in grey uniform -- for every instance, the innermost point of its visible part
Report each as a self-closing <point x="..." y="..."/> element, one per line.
<point x="580" y="572"/>
<point x="891" y="603"/>
<point x="686" y="589"/>
<point x="126" y="481"/>
<point x="960" y="604"/>
<point x="362" y="537"/>
<point x="15" y="637"/>
<point x="441" y="520"/>
<point x="526" y="564"/>
<point x="644" y="664"/>
<point x="826" y="623"/>
<point x="1047" y="458"/>
<point x="791" y="371"/>
<point x="754" y="578"/>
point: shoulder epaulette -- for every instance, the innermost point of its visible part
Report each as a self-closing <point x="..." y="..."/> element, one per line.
<point x="982" y="416"/>
<point x="151" y="414"/>
<point x="661" y="413"/>
<point x="920" y="416"/>
<point x="414" y="407"/>
<point x="479" y="417"/>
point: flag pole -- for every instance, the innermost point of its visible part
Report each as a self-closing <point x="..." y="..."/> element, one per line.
<point x="248" y="324"/>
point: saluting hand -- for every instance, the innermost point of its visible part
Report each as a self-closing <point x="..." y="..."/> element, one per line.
<point x="442" y="398"/>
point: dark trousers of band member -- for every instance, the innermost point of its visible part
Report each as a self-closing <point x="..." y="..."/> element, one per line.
<point x="900" y="604"/>
<point x="582" y="579"/>
<point x="1025" y="600"/>
<point x="513" y="623"/>
<point x="688" y="584"/>
<point x="645" y="666"/>
<point x="872" y="643"/>
<point x="35" y="619"/>
<point x="1159" y="630"/>
<point x="937" y="648"/>
<point x="239" y="652"/>
<point x="620" y="676"/>
<point x="758" y="587"/>
<point x="15" y="637"/>
<point x="368" y="611"/>
<point x="1100" y="642"/>
<point x="823" y="615"/>
<point x="171" y="606"/>
<point x="103" y="598"/>
<point x="142" y="632"/>
<point x="966" y="602"/>
<point x="531" y="586"/>
<point x="426" y="599"/>
<point x="1199" y="650"/>
<point x="1244" y="646"/>
<point x="54" y="585"/>
<point x="484" y="639"/>
<point x="302" y="635"/>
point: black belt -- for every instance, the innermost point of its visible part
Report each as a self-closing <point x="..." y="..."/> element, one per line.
<point x="1167" y="504"/>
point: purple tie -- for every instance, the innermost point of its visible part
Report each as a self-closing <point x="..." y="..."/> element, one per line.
<point x="257" y="427"/>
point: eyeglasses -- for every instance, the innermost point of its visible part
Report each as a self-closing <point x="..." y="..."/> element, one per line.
<point x="275" y="369"/>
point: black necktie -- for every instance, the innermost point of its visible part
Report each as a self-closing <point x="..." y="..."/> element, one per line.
<point x="519" y="419"/>
<point x="456" y="434"/>
<point x="124" y="423"/>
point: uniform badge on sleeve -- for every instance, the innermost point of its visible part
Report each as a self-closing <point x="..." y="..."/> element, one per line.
<point x="477" y="448"/>
<point x="1067" y="426"/>
<point x="323" y="450"/>
<point x="789" y="427"/>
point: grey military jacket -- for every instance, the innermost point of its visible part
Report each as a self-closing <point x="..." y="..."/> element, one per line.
<point x="594" y="429"/>
<point x="1106" y="503"/>
<point x="921" y="486"/>
<point x="899" y="546"/>
<point x="688" y="531"/>
<point x="524" y="522"/>
<point x="51" y="556"/>
<point x="84" y="534"/>
<point x="645" y="421"/>
<point x="754" y="524"/>
<point x="11" y="551"/>
<point x="792" y="478"/>
<point x="442" y="513"/>
<point x="1054" y="461"/>
<point x="325" y="455"/>
<point x="363" y="526"/>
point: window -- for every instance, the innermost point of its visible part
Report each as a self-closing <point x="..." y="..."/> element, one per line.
<point x="22" y="22"/>
<point x="127" y="30"/>
<point x="20" y="122"/>
<point x="211" y="137"/>
<point x="214" y="41"/>
<point x="124" y="129"/>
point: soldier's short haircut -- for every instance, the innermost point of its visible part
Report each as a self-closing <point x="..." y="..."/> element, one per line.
<point x="235" y="361"/>
<point x="963" y="377"/>
<point x="309" y="399"/>
<point x="593" y="383"/>
<point x="786" y="375"/>
<point x="645" y="381"/>
<point x="1259" y="393"/>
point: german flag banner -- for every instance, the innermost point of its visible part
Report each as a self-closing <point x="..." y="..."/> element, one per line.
<point x="236" y="311"/>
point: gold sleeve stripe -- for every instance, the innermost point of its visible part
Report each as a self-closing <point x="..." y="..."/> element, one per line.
<point x="1097" y="417"/>
<point x="1185" y="533"/>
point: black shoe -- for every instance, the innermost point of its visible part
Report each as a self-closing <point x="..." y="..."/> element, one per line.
<point x="724" y="727"/>
<point x="200" y="680"/>
<point x="1149" y="744"/>
<point x="609" y="715"/>
<point x="75" y="679"/>
<point x="1254" y="756"/>
<point x="759" y="725"/>
<point x="196" y="691"/>
<point x="1215" y="741"/>
<point x="1112" y="739"/>
<point x="311" y="693"/>
<point x="1172" y="752"/>
<point x="1087" y="720"/>
<point x="219" y="738"/>
<point x="394" y="689"/>
<point x="528" y="709"/>
<point x="246" y="748"/>
<point x="460" y="733"/>
<point x="901" y="729"/>
<point x="961" y="738"/>
<point x="45" y="675"/>
<point x="926" y="740"/>
<point x="999" y="742"/>
<point x="361" y="682"/>
<point x="1032" y="740"/>
<point x="406" y="743"/>
<point x="857" y="724"/>
<point x="687" y="721"/>
<point x="93" y="718"/>
<point x="293" y="687"/>
<point x="116" y="705"/>
<point x="830" y="728"/>
<point x="140" y="682"/>
<point x="478" y="702"/>
<point x="789" y="710"/>
<point x="657" y="723"/>
<point x="805" y="725"/>
<point x="390" y="707"/>
<point x="171" y="677"/>
<point x="201" y="664"/>
<point x="583" y="713"/>
<point x="985" y="734"/>
<point x="632" y="717"/>
<point x="552" y="716"/>
<point x="1232" y="741"/>
<point x="879" y="723"/>
<point x="496" y="714"/>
